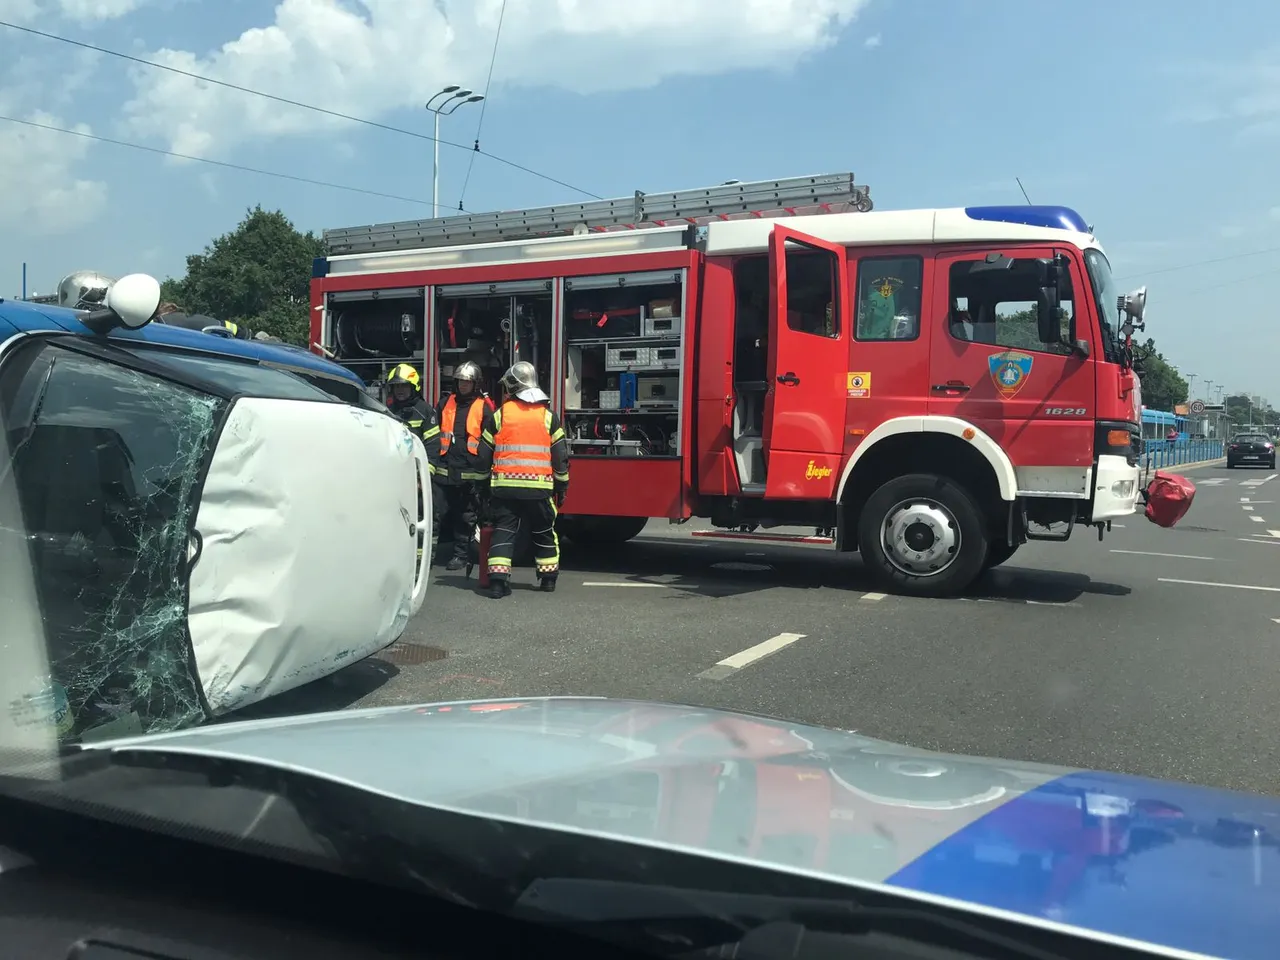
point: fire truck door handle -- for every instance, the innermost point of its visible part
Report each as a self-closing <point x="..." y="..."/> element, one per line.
<point x="789" y="378"/>
<point x="956" y="385"/>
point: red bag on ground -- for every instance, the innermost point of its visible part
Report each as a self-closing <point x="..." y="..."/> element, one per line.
<point x="1169" y="498"/>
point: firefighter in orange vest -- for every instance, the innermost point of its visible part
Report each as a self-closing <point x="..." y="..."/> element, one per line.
<point x="528" y="458"/>
<point x="463" y="415"/>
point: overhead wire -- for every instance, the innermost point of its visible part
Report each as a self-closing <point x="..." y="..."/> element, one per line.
<point x="217" y="163"/>
<point x="488" y="83"/>
<point x="337" y="114"/>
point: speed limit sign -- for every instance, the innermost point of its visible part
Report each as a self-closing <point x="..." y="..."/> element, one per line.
<point x="1197" y="407"/>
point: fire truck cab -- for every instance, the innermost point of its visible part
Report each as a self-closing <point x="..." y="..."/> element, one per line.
<point x="931" y="387"/>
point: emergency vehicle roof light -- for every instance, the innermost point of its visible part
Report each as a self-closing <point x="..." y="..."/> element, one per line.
<point x="1055" y="218"/>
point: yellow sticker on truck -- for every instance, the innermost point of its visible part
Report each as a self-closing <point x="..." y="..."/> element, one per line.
<point x="858" y="385"/>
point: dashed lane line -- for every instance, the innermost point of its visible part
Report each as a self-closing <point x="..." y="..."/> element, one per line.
<point x="1172" y="556"/>
<point x="1211" y="583"/>
<point x="731" y="665"/>
<point x="1257" y="519"/>
<point x="873" y="597"/>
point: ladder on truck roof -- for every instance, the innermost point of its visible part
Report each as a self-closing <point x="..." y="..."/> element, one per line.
<point x="830" y="193"/>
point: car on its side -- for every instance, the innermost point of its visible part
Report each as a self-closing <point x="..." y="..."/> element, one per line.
<point x="210" y="521"/>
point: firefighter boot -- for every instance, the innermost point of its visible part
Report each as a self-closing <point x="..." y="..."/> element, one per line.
<point x="547" y="585"/>
<point x="455" y="563"/>
<point x="498" y="589"/>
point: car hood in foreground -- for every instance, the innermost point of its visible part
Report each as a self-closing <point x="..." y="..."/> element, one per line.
<point x="1167" y="863"/>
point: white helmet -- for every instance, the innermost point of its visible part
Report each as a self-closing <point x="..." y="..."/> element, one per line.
<point x="84" y="290"/>
<point x="521" y="381"/>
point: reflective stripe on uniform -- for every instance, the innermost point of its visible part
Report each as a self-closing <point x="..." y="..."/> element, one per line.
<point x="522" y="447"/>
<point x="475" y="421"/>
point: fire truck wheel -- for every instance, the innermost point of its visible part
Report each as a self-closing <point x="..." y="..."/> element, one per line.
<point x="923" y="535"/>
<point x="998" y="552"/>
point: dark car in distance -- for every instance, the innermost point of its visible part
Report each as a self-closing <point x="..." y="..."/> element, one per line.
<point x="1252" y="448"/>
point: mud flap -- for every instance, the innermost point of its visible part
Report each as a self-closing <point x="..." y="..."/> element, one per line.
<point x="1168" y="497"/>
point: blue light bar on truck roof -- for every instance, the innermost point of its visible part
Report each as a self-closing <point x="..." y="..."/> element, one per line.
<point x="1055" y="218"/>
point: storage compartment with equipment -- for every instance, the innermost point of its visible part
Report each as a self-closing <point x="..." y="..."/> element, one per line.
<point x="370" y="331"/>
<point x="493" y="325"/>
<point x="624" y="361"/>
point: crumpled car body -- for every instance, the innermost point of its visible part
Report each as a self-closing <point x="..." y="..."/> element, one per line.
<point x="204" y="522"/>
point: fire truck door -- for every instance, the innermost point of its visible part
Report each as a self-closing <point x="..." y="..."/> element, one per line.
<point x="990" y="363"/>
<point x="804" y="409"/>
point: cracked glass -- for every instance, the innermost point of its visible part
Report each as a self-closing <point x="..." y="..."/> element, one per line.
<point x="106" y="462"/>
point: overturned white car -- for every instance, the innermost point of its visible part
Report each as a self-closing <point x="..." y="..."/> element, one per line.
<point x="189" y="524"/>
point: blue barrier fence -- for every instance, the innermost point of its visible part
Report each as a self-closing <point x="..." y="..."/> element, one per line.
<point x="1160" y="454"/>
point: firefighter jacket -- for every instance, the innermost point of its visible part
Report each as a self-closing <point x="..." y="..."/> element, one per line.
<point x="526" y="454"/>
<point x="420" y="417"/>
<point x="463" y="421"/>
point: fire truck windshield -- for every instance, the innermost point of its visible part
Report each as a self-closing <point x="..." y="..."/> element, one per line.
<point x="1105" y="293"/>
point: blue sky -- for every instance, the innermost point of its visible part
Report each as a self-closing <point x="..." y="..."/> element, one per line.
<point x="1158" y="121"/>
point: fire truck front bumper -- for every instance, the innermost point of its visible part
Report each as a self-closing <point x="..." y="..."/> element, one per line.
<point x="1115" y="488"/>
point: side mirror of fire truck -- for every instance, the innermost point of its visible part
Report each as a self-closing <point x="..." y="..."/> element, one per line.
<point x="1048" y="322"/>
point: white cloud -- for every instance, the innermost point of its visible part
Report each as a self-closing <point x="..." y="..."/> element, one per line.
<point x="366" y="57"/>
<point x="42" y="194"/>
<point x="873" y="41"/>
<point x="82" y="11"/>
<point x="1244" y="92"/>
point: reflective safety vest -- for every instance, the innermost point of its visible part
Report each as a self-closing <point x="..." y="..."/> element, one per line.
<point x="475" y="423"/>
<point x="522" y="447"/>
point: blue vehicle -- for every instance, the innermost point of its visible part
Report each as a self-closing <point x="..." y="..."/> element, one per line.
<point x="90" y="319"/>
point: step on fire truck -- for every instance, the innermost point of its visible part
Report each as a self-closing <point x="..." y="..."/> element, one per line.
<point x="932" y="388"/>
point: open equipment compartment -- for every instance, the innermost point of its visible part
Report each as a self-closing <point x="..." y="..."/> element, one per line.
<point x="624" y="363"/>
<point x="370" y="331"/>
<point x="493" y="325"/>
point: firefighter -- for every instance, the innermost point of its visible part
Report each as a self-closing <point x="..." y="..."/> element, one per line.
<point x="464" y="415"/>
<point x="405" y="401"/>
<point x="528" y="460"/>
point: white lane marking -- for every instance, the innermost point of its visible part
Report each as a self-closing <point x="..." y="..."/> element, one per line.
<point x="622" y="583"/>
<point x="1247" y="508"/>
<point x="1274" y="533"/>
<point x="1211" y="483"/>
<point x="1175" y="556"/>
<point x="874" y="596"/>
<point x="1210" y="583"/>
<point x="1264" y="540"/>
<point x="1275" y="619"/>
<point x="1118" y="526"/>
<point x="1257" y="519"/>
<point x="744" y="658"/>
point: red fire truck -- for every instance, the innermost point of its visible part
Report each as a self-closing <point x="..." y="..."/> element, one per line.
<point x="932" y="388"/>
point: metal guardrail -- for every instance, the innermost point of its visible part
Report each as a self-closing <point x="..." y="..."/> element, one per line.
<point x="1161" y="454"/>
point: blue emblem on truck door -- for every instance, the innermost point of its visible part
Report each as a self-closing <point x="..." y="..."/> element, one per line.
<point x="1010" y="371"/>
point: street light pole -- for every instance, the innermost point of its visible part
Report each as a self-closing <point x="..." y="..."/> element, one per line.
<point x="454" y="97"/>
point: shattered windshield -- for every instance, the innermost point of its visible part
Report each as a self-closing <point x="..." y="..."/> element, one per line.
<point x="104" y="463"/>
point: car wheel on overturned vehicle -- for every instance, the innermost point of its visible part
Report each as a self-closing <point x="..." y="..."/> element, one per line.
<point x="923" y="535"/>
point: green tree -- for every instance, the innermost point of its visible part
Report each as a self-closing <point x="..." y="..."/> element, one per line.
<point x="258" y="275"/>
<point x="1162" y="386"/>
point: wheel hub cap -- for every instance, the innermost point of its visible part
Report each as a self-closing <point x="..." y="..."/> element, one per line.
<point x="921" y="537"/>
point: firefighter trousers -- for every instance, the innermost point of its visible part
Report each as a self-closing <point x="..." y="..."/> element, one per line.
<point x="539" y="517"/>
<point x="456" y="519"/>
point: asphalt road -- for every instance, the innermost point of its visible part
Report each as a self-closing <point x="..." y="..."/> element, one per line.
<point x="1155" y="652"/>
